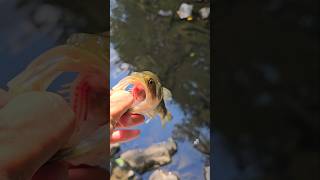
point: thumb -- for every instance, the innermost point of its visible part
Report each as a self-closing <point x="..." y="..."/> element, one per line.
<point x="34" y="126"/>
<point x="120" y="102"/>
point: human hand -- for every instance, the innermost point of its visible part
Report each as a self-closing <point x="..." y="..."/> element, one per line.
<point x="33" y="127"/>
<point x="120" y="102"/>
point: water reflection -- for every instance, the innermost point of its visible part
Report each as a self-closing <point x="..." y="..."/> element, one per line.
<point x="178" y="51"/>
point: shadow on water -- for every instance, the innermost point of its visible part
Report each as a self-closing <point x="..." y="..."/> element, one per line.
<point x="36" y="26"/>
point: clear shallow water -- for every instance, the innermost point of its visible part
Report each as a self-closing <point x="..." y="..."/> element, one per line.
<point x="187" y="162"/>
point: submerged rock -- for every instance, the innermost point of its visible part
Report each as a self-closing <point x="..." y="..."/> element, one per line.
<point x="204" y="12"/>
<point x="154" y="156"/>
<point x="122" y="173"/>
<point x="163" y="175"/>
<point x="185" y="10"/>
<point x="207" y="172"/>
<point x="114" y="149"/>
<point x="165" y="13"/>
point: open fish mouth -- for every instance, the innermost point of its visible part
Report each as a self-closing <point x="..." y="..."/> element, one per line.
<point x="135" y="86"/>
<point x="138" y="92"/>
<point x="148" y="93"/>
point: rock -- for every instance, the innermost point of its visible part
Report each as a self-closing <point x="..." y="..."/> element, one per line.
<point x="154" y="156"/>
<point x="163" y="175"/>
<point x="204" y="12"/>
<point x="165" y="13"/>
<point x="122" y="173"/>
<point x="185" y="10"/>
<point x="114" y="149"/>
<point x="202" y="145"/>
<point x="207" y="172"/>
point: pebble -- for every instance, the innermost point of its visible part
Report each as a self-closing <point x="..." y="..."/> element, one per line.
<point x="204" y="12"/>
<point x="185" y="11"/>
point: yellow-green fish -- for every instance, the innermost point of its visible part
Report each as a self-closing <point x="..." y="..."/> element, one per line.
<point x="149" y="93"/>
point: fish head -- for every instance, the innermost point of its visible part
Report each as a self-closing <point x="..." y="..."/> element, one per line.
<point x="149" y="83"/>
<point x="148" y="92"/>
<point x="154" y="93"/>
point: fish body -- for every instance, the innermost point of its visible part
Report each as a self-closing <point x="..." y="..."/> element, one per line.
<point x="148" y="85"/>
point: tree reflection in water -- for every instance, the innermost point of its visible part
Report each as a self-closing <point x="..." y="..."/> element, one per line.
<point x="178" y="51"/>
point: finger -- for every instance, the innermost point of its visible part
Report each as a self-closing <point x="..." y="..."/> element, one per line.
<point x="47" y="120"/>
<point x="120" y="102"/>
<point x="129" y="120"/>
<point x="124" y="135"/>
<point x="52" y="171"/>
<point x="88" y="173"/>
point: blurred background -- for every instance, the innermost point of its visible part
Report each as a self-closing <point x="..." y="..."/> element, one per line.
<point x="30" y="27"/>
<point x="266" y="90"/>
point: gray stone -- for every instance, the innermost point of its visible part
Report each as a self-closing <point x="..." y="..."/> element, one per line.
<point x="165" y="13"/>
<point x="204" y="12"/>
<point x="185" y="10"/>
<point x="207" y="172"/>
<point x="163" y="175"/>
<point x="122" y="173"/>
<point x="154" y="156"/>
<point x="114" y="149"/>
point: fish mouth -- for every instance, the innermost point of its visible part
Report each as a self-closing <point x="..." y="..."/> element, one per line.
<point x="135" y="85"/>
<point x="138" y="93"/>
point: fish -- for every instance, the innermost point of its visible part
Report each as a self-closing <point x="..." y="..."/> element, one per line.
<point x="149" y="95"/>
<point x="88" y="56"/>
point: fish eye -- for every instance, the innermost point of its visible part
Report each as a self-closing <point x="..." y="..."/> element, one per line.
<point x="150" y="81"/>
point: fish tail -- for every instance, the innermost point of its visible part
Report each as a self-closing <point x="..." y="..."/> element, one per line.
<point x="166" y="119"/>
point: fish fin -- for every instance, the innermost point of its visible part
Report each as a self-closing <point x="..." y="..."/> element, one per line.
<point x="150" y="115"/>
<point x="167" y="96"/>
<point x="168" y="116"/>
<point x="133" y="73"/>
<point x="165" y="115"/>
<point x="65" y="90"/>
<point x="166" y="119"/>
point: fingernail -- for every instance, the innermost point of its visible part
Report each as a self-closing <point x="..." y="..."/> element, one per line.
<point x="124" y="135"/>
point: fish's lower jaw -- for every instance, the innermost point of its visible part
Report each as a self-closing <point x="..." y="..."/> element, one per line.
<point x="142" y="107"/>
<point x="165" y="119"/>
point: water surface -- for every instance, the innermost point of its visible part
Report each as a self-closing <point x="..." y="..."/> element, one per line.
<point x="178" y="51"/>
